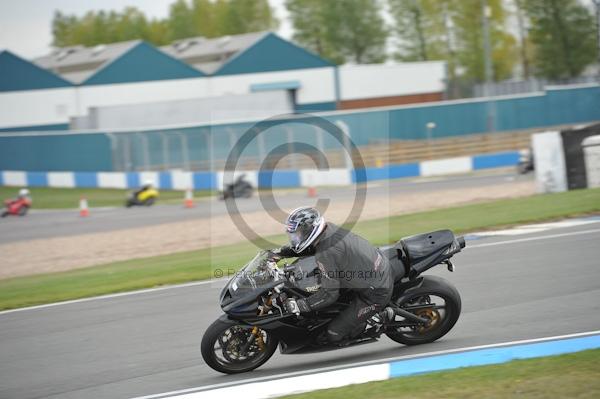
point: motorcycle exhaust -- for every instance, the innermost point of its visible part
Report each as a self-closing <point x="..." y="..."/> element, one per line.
<point x="391" y="312"/>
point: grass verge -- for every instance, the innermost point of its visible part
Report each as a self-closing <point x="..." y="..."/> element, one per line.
<point x="201" y="264"/>
<point x="65" y="198"/>
<point x="575" y="375"/>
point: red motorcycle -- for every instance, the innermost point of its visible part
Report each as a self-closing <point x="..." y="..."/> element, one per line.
<point x="18" y="206"/>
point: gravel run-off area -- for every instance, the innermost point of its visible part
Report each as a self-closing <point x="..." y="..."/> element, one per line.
<point x="66" y="253"/>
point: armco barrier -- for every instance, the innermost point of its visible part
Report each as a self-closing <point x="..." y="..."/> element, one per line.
<point x="333" y="377"/>
<point x="182" y="180"/>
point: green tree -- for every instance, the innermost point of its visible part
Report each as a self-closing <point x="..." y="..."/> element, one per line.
<point x="209" y="18"/>
<point x="563" y="34"/>
<point x="525" y="45"/>
<point x="241" y="16"/>
<point x="181" y="21"/>
<point x="421" y="28"/>
<point x="311" y="29"/>
<point x="341" y="30"/>
<point x="218" y="18"/>
<point x="62" y="29"/>
<point x="452" y="30"/>
<point x="468" y="23"/>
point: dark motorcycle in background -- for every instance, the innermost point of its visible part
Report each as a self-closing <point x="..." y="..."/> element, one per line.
<point x="240" y="188"/>
<point x="424" y="308"/>
<point x="526" y="163"/>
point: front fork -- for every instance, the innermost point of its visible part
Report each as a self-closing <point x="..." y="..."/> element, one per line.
<point x="256" y="333"/>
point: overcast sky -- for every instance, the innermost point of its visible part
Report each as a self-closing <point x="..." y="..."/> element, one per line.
<point x="25" y="25"/>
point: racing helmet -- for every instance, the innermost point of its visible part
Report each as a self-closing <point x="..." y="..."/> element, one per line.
<point x="148" y="183"/>
<point x="303" y="226"/>
<point x="23" y="192"/>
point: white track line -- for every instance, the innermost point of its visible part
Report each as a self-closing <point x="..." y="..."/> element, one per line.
<point x="573" y="233"/>
<point x="366" y="363"/>
<point x="120" y="294"/>
<point x="169" y="287"/>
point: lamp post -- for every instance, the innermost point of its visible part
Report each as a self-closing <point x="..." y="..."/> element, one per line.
<point x="486" y="13"/>
<point x="597" y="4"/>
<point x="430" y="126"/>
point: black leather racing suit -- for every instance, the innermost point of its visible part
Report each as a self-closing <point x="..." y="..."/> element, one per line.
<point x="348" y="261"/>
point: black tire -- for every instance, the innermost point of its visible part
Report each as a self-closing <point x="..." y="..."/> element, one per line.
<point x="432" y="286"/>
<point x="212" y="335"/>
<point x="23" y="210"/>
<point x="150" y="201"/>
<point x="4" y="214"/>
<point x="248" y="192"/>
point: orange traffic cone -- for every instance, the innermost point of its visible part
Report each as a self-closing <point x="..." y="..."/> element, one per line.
<point x="189" y="198"/>
<point x="83" y="207"/>
<point x="312" y="191"/>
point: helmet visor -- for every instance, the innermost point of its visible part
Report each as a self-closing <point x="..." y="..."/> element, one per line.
<point x="295" y="239"/>
<point x="299" y="235"/>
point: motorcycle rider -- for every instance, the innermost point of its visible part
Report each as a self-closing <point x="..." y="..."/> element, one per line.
<point x="345" y="260"/>
<point x="18" y="205"/>
<point x="148" y="184"/>
<point x="24" y="195"/>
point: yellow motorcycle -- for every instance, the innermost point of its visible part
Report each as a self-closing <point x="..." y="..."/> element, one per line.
<point x="145" y="196"/>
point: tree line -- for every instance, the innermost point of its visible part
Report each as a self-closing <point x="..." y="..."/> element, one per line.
<point x="554" y="39"/>
<point x="208" y="18"/>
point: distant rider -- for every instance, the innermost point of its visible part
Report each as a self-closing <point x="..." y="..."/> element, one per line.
<point x="345" y="260"/>
<point x="24" y="195"/>
<point x="148" y="185"/>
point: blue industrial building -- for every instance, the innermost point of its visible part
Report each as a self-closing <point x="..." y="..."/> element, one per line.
<point x="17" y="74"/>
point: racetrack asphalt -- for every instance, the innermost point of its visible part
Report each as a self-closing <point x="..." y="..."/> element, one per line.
<point x="59" y="223"/>
<point x="513" y="288"/>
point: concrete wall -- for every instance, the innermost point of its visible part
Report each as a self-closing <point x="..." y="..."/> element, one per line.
<point x="203" y="144"/>
<point x="316" y="84"/>
<point x="182" y="180"/>
<point x="316" y="91"/>
<point x="388" y="80"/>
<point x="199" y="111"/>
<point x="37" y="107"/>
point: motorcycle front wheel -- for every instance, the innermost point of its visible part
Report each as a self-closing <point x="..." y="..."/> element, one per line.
<point x="233" y="348"/>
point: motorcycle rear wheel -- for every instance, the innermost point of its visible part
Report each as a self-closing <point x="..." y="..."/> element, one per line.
<point x="440" y="322"/>
<point x="149" y="202"/>
<point x="221" y="346"/>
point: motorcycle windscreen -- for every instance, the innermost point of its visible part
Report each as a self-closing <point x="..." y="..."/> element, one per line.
<point x="254" y="275"/>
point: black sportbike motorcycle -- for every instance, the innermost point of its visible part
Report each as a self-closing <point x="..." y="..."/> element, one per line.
<point x="422" y="309"/>
<point x="240" y="188"/>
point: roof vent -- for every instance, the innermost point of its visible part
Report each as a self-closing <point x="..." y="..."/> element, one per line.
<point x="182" y="45"/>
<point x="63" y="53"/>
<point x="224" y="40"/>
<point x="98" y="49"/>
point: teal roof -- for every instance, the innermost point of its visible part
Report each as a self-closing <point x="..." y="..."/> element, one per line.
<point x="271" y="53"/>
<point x="142" y="63"/>
<point x="19" y="74"/>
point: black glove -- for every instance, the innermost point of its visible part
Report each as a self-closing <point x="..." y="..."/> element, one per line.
<point x="296" y="306"/>
<point x="274" y="255"/>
